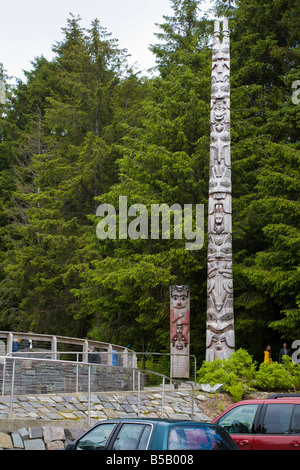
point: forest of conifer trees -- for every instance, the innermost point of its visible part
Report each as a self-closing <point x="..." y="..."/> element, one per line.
<point x="84" y="128"/>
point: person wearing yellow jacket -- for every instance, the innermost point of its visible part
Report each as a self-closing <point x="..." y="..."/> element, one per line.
<point x="267" y="355"/>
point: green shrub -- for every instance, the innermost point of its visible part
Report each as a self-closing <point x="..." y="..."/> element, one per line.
<point x="294" y="370"/>
<point x="242" y="365"/>
<point x="239" y="374"/>
<point x="236" y="373"/>
<point x="212" y="372"/>
<point x="277" y="376"/>
<point x="273" y="376"/>
<point x="237" y="391"/>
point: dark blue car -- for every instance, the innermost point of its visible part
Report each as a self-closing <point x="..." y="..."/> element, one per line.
<point x="153" y="434"/>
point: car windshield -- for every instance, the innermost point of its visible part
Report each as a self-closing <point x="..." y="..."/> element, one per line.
<point x="190" y="437"/>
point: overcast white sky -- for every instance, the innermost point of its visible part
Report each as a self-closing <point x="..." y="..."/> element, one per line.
<point x="29" y="28"/>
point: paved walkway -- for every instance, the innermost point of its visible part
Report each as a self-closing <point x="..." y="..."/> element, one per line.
<point x="104" y="405"/>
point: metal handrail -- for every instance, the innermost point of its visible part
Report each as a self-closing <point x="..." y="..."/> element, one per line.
<point x="192" y="356"/>
<point x="134" y="369"/>
<point x="109" y="348"/>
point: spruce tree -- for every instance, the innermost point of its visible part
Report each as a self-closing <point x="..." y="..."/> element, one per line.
<point x="63" y="160"/>
<point x="163" y="159"/>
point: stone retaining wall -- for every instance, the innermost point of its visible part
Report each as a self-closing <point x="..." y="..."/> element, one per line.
<point x="39" y="438"/>
<point x="35" y="377"/>
<point x="50" y="422"/>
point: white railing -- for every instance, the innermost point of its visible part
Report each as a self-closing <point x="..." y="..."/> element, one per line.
<point x="108" y="352"/>
<point x="53" y="343"/>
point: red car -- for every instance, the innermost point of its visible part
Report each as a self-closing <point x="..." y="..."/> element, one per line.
<point x="264" y="424"/>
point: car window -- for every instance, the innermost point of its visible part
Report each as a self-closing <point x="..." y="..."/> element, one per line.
<point x="295" y="423"/>
<point x="132" y="436"/>
<point x="277" y="418"/>
<point x="96" y="438"/>
<point x="239" y="420"/>
<point x="144" y="438"/>
<point x="182" y="437"/>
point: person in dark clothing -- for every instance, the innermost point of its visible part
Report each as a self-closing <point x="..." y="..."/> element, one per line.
<point x="15" y="345"/>
<point x="27" y="344"/>
<point x="94" y="356"/>
<point x="284" y="351"/>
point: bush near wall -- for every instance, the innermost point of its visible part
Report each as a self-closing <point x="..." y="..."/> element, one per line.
<point x="240" y="374"/>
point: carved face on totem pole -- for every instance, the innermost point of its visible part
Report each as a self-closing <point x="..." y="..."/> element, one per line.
<point x="219" y="344"/>
<point x="179" y="316"/>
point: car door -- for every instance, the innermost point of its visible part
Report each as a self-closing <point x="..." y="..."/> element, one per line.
<point x="132" y="436"/>
<point x="239" y="422"/>
<point x="279" y="428"/>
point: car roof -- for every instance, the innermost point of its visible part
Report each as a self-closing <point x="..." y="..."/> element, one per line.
<point x="157" y="420"/>
<point x="265" y="400"/>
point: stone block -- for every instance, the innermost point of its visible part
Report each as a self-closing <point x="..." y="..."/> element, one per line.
<point x="201" y="397"/>
<point x="55" y="445"/>
<point x="53" y="433"/>
<point x="17" y="440"/>
<point x="24" y="433"/>
<point x="5" y="441"/>
<point x="211" y="388"/>
<point x="35" y="433"/>
<point x="80" y="414"/>
<point x="201" y="417"/>
<point x="74" y="433"/>
<point x="34" y="444"/>
<point x="111" y="413"/>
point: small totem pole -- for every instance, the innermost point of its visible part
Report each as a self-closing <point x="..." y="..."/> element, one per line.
<point x="180" y="331"/>
<point x="220" y="342"/>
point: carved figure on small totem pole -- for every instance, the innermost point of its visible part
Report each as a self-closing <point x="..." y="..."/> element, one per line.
<point x="180" y="330"/>
<point x="220" y="342"/>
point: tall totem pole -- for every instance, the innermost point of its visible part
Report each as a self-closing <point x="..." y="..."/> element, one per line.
<point x="220" y="342"/>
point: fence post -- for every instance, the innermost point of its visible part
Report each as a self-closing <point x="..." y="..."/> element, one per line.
<point x="134" y="361"/>
<point x="54" y="348"/>
<point x="193" y="400"/>
<point x="109" y="355"/>
<point x="10" y="339"/>
<point x="163" y="399"/>
<point x="89" y="394"/>
<point x="3" y="377"/>
<point x="85" y="349"/>
<point x="139" y="393"/>
<point x="125" y="358"/>
<point x="77" y="359"/>
<point x="12" y="389"/>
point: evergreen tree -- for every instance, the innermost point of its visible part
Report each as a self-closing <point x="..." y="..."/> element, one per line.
<point x="64" y="160"/>
<point x="163" y="159"/>
<point x="83" y="130"/>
